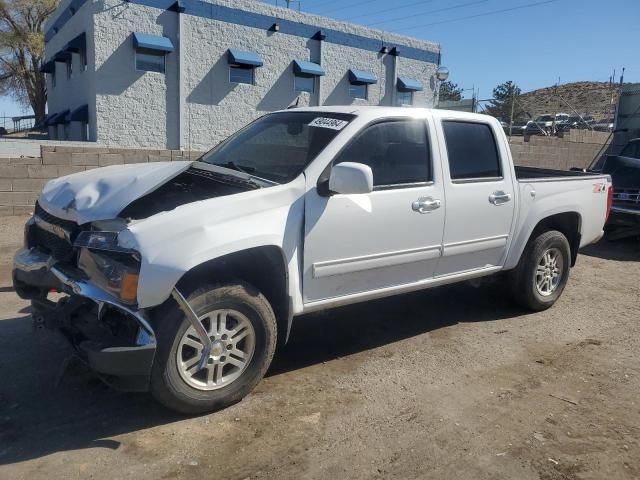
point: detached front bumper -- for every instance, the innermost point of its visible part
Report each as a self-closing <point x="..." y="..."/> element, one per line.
<point x="124" y="364"/>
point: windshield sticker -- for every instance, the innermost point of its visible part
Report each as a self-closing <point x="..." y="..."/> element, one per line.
<point x="332" y="123"/>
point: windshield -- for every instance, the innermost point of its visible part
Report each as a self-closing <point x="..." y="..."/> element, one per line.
<point x="278" y="146"/>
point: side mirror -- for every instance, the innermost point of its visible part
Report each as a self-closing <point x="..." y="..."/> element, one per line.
<point x="350" y="178"/>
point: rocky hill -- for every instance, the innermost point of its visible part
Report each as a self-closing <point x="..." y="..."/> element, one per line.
<point x="586" y="98"/>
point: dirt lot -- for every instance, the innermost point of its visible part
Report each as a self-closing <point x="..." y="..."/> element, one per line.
<point x="449" y="383"/>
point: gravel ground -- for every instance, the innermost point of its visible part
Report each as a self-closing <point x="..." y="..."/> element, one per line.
<point x="453" y="382"/>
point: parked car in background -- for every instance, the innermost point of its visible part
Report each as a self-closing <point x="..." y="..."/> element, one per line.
<point x="517" y="128"/>
<point x="624" y="170"/>
<point x="546" y="124"/>
<point x="604" y="125"/>
<point x="580" y="122"/>
<point x="182" y="277"/>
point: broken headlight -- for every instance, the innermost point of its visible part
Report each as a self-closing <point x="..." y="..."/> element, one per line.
<point x="98" y="240"/>
<point x="114" y="272"/>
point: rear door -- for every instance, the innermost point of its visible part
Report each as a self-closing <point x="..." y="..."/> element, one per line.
<point x="479" y="196"/>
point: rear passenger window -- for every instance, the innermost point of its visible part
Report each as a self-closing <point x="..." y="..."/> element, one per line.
<point x="472" y="150"/>
<point x="396" y="151"/>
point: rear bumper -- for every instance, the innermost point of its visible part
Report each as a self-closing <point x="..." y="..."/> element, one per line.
<point x="127" y="367"/>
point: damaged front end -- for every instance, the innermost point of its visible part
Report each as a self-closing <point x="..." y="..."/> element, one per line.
<point x="97" y="311"/>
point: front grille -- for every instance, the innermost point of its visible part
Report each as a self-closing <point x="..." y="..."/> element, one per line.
<point x="47" y="241"/>
<point x="52" y="219"/>
<point x="626" y="196"/>
<point x="52" y="244"/>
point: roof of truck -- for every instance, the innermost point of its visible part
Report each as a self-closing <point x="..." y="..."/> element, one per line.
<point x="381" y="112"/>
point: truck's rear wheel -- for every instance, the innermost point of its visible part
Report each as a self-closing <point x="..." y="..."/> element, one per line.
<point x="543" y="271"/>
<point x="242" y="328"/>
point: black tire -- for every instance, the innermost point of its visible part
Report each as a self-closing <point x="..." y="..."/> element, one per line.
<point x="523" y="278"/>
<point x="167" y="385"/>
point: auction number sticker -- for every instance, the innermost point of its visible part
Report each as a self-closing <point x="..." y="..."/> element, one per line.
<point x="332" y="123"/>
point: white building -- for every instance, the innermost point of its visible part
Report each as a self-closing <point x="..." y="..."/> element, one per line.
<point x="187" y="73"/>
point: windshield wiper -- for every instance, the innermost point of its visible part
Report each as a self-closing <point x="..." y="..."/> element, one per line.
<point x="234" y="166"/>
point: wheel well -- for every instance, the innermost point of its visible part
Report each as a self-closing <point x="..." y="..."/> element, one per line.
<point x="568" y="224"/>
<point x="262" y="267"/>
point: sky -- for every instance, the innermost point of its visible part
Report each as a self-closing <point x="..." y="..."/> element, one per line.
<point x="569" y="40"/>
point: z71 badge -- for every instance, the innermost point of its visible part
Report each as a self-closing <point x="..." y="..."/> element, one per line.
<point x="599" y="187"/>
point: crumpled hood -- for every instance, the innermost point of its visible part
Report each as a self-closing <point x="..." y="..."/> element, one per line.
<point x="102" y="193"/>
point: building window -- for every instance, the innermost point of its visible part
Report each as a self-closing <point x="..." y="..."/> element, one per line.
<point x="53" y="79"/>
<point x="85" y="131"/>
<point x="358" y="91"/>
<point x="67" y="133"/>
<point x="304" y="84"/>
<point x="69" y="67"/>
<point x="404" y="98"/>
<point x="241" y="74"/>
<point x="148" y="60"/>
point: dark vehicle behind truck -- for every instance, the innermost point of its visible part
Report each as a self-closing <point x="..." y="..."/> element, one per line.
<point x="624" y="220"/>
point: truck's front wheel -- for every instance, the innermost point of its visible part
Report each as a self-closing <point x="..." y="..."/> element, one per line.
<point x="543" y="271"/>
<point x="242" y="328"/>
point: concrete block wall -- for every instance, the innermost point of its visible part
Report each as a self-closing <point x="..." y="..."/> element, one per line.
<point x="22" y="178"/>
<point x="578" y="148"/>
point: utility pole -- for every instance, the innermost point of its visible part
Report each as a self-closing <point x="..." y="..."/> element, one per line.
<point x="513" y="102"/>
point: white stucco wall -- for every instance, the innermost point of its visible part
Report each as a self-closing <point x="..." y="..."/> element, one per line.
<point x="142" y="109"/>
<point x="134" y="108"/>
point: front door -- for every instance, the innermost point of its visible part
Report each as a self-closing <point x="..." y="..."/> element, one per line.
<point x="389" y="237"/>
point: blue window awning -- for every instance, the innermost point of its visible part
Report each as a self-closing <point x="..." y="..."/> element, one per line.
<point x="152" y="42"/>
<point x="56" y="118"/>
<point x="362" y="77"/>
<point x="62" y="57"/>
<point x="240" y="57"/>
<point x="48" y="67"/>
<point x="309" y="69"/>
<point x="77" y="45"/>
<point x="43" y="122"/>
<point x="80" y="114"/>
<point x="409" y="85"/>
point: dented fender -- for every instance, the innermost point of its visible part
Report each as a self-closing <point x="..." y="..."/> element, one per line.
<point x="174" y="242"/>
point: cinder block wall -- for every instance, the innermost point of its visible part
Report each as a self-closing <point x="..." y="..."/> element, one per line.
<point x="21" y="179"/>
<point x="577" y="148"/>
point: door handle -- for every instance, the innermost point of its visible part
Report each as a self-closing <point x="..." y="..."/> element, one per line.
<point x="425" y="204"/>
<point x="499" y="197"/>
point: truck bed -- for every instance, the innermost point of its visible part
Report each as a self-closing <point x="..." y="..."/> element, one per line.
<point x="534" y="173"/>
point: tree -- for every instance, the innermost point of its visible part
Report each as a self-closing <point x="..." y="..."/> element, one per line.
<point x="450" y="91"/>
<point x="22" y="51"/>
<point x="500" y="105"/>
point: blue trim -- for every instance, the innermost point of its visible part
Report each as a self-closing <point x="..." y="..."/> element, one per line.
<point x="409" y="85"/>
<point x="307" y="69"/>
<point x="362" y="77"/>
<point x="200" y="8"/>
<point x="240" y="57"/>
<point x="152" y="42"/>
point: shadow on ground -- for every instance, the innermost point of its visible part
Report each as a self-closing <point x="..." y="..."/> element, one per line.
<point x="38" y="418"/>
<point x="624" y="250"/>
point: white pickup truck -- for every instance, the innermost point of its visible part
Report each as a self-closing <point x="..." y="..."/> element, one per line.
<point x="182" y="277"/>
